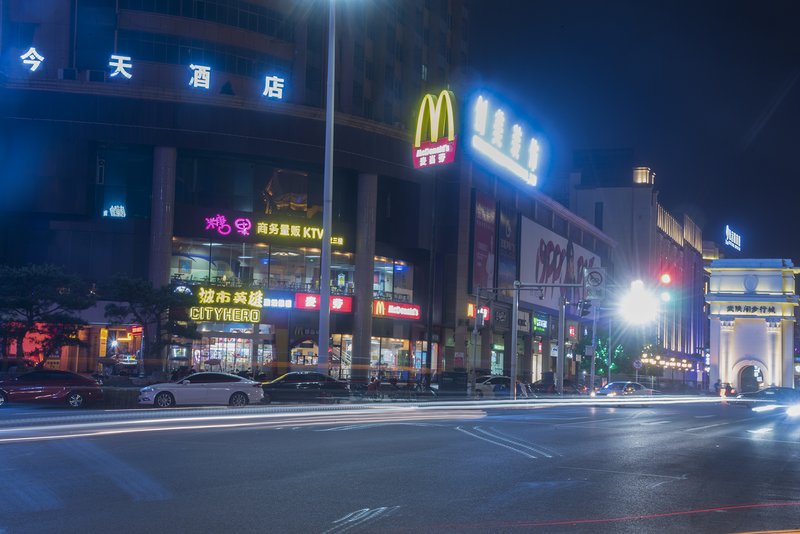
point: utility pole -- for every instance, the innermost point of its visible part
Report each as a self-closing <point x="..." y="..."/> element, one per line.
<point x="594" y="348"/>
<point x="475" y="340"/>
<point x="514" y="327"/>
<point x="562" y="312"/>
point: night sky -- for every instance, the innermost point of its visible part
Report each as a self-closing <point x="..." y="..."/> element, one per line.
<point x="705" y="93"/>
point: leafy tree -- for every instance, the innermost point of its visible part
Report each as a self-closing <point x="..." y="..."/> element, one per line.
<point x="156" y="309"/>
<point x="41" y="303"/>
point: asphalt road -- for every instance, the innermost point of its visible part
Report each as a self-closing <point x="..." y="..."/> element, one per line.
<point x="391" y="468"/>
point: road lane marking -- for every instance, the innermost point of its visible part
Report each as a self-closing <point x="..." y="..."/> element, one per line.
<point x="512" y="442"/>
<point x="629" y="473"/>
<point x="655" y="422"/>
<point x="706" y="426"/>
<point x="359" y="517"/>
<point x="518" y="441"/>
<point x="703" y="416"/>
<point x="523" y="453"/>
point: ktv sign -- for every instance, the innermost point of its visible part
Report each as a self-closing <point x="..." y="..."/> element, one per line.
<point x="436" y="118"/>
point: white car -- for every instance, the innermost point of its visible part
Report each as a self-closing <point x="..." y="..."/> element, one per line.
<point x="624" y="389"/>
<point x="485" y="386"/>
<point x="203" y="388"/>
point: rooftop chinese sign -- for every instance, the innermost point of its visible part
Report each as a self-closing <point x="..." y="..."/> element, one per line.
<point x="435" y="137"/>
<point x="510" y="148"/>
<point x="732" y="239"/>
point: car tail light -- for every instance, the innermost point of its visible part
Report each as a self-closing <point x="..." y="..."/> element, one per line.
<point x="257" y="385"/>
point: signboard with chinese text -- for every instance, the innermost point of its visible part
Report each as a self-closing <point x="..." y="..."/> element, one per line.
<point x="398" y="310"/>
<point x="435" y="137"/>
<point x="310" y="301"/>
<point x="483" y="248"/>
<point x="227" y="305"/>
<point x="732" y="239"/>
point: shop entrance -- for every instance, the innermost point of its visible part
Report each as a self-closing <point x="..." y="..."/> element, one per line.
<point x="750" y="378"/>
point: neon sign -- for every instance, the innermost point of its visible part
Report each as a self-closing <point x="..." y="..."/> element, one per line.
<point x="310" y="301"/>
<point x="273" y="87"/>
<point x="116" y="211"/>
<point x="244" y="225"/>
<point x="435" y="151"/>
<point x="281" y="303"/>
<point x="399" y="310"/>
<point x="732" y="239"/>
<point x="224" y="315"/>
<point x="490" y="141"/>
<point x="484" y="310"/>
<point x="208" y="295"/>
<point x="120" y="65"/>
<point x="32" y="58"/>
<point x="201" y="76"/>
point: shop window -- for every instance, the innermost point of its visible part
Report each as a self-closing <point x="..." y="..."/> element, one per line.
<point x="393" y="280"/>
<point x="197" y="260"/>
<point x="294" y="268"/>
<point x="390" y="358"/>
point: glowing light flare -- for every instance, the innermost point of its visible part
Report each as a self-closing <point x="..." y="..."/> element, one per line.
<point x="666" y="279"/>
<point x="481" y="114"/>
<point x="638" y="306"/>
<point x="503" y="160"/>
<point x="498" y="126"/>
<point x="516" y="141"/>
<point x="533" y="155"/>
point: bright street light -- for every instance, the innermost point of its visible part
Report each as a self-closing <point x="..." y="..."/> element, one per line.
<point x="639" y="305"/>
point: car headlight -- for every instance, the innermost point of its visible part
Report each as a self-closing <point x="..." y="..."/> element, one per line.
<point x="793" y="411"/>
<point x="147" y="389"/>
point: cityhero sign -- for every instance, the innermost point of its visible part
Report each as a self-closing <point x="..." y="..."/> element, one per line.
<point x="398" y="310"/>
<point x="512" y="149"/>
<point x="435" y="119"/>
<point x="226" y="306"/>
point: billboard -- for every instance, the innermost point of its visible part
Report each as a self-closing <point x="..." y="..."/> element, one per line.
<point x="483" y="242"/>
<point x="548" y="258"/>
<point x="506" y="250"/>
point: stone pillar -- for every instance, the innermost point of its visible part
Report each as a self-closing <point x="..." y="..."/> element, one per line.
<point x="485" y="356"/>
<point x="774" y="355"/>
<point x="162" y="213"/>
<point x="462" y="332"/>
<point x="365" y="269"/>
<point x="787" y="354"/>
<point x="725" y="349"/>
<point x="526" y="361"/>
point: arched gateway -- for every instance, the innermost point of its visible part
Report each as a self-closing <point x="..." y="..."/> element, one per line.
<point x="752" y="322"/>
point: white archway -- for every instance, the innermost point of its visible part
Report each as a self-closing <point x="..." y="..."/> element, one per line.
<point x="741" y="364"/>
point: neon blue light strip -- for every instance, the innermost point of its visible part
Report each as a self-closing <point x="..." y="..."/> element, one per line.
<point x="503" y="160"/>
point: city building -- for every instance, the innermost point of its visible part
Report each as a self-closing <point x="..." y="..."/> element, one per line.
<point x="655" y="246"/>
<point x="182" y="142"/>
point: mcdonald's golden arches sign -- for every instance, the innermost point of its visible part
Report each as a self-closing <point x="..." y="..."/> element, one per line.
<point x="435" y="138"/>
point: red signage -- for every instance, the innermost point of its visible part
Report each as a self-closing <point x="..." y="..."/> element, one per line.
<point x="137" y="330"/>
<point x="310" y="301"/>
<point x="484" y="310"/>
<point x="398" y="310"/>
<point x="429" y="154"/>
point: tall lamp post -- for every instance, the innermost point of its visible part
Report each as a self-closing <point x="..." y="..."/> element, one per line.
<point x="327" y="201"/>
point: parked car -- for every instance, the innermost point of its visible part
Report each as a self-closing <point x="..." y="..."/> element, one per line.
<point x="50" y="386"/>
<point x="304" y="386"/>
<point x="624" y="389"/>
<point x="203" y="388"/>
<point x="769" y="397"/>
<point x="485" y="386"/>
<point x="545" y="387"/>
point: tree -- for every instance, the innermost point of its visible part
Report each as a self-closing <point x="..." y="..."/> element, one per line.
<point x="41" y="303"/>
<point x="156" y="309"/>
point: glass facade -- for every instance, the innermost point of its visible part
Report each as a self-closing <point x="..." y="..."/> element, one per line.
<point x="393" y="280"/>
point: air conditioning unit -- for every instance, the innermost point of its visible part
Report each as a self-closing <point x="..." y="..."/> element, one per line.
<point x="95" y="75"/>
<point x="67" y="74"/>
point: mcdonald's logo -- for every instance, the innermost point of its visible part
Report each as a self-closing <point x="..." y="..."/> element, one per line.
<point x="379" y="308"/>
<point x="398" y="310"/>
<point x="436" y="121"/>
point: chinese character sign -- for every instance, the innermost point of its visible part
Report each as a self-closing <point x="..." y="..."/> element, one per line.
<point x="32" y="58"/>
<point x="223" y="225"/>
<point x="201" y="76"/>
<point x="489" y="140"/>
<point x="273" y="87"/>
<point x="120" y="64"/>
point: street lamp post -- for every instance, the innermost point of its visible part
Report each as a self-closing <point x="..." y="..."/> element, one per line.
<point x="327" y="201"/>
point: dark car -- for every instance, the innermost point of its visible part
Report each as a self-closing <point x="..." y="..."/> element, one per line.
<point x="545" y="387"/>
<point x="304" y="386"/>
<point x="769" y="397"/>
<point x="50" y="386"/>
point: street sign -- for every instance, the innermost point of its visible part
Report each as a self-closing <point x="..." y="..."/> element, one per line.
<point x="594" y="283"/>
<point x="637" y="364"/>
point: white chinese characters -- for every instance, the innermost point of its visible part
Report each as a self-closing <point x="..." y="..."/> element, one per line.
<point x="120" y="64"/>
<point x="32" y="58"/>
<point x="273" y="87"/>
<point x="201" y="76"/>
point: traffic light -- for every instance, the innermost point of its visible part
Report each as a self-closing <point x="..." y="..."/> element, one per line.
<point x="665" y="281"/>
<point x="585" y="307"/>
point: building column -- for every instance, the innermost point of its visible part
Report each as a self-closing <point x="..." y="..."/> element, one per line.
<point x="462" y="332"/>
<point x="162" y="214"/>
<point x="774" y="356"/>
<point x="787" y="354"/>
<point x="485" y="357"/>
<point x="526" y="362"/>
<point x="365" y="270"/>
<point x="725" y="349"/>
